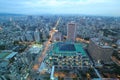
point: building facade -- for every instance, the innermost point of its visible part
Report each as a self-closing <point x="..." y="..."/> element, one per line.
<point x="29" y="36"/>
<point x="67" y="56"/>
<point x="99" y="51"/>
<point x="37" y="36"/>
<point x="57" y="36"/>
<point x="71" y="31"/>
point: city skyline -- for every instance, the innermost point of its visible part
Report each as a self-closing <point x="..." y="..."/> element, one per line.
<point x="59" y="47"/>
<point x="85" y="7"/>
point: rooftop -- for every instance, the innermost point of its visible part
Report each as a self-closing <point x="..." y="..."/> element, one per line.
<point x="35" y="49"/>
<point x="3" y="55"/>
<point x="7" y="54"/>
<point x="100" y="43"/>
<point x="11" y="55"/>
<point x="68" y="48"/>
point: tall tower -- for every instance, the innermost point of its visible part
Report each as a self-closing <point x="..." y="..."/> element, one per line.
<point x="71" y="31"/>
<point x="29" y="36"/>
<point x="37" y="35"/>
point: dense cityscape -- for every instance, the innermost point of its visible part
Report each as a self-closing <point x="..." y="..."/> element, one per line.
<point x="59" y="47"/>
<point x="59" y="39"/>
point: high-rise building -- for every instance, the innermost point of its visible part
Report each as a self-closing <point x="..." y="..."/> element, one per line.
<point x="44" y="35"/>
<point x="57" y="36"/>
<point x="29" y="36"/>
<point x="37" y="36"/>
<point x="99" y="51"/>
<point x="71" y="31"/>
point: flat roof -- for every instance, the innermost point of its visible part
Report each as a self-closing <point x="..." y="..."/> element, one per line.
<point x="67" y="47"/>
<point x="3" y="55"/>
<point x="78" y="49"/>
<point x="35" y="48"/>
<point x="98" y="42"/>
<point x="11" y="55"/>
<point x="6" y="54"/>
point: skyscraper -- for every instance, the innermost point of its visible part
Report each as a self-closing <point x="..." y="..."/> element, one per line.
<point x="71" y="31"/>
<point x="37" y="35"/>
<point x="29" y="36"/>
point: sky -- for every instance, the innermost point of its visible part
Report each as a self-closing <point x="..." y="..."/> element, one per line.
<point x="85" y="7"/>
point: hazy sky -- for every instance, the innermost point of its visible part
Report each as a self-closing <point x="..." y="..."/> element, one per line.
<point x="92" y="7"/>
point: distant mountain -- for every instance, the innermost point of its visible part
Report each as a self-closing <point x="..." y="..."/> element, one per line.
<point x="10" y="14"/>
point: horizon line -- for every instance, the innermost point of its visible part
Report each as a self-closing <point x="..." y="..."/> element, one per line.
<point x="72" y="14"/>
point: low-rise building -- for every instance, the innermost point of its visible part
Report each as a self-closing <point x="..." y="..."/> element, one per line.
<point x="67" y="55"/>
